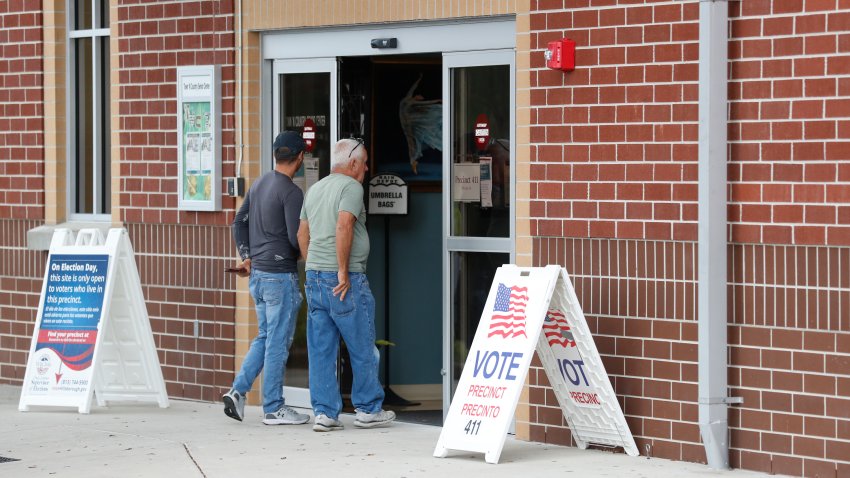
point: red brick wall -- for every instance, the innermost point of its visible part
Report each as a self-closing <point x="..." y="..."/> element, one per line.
<point x="155" y="38"/>
<point x="790" y="185"/>
<point x="181" y="254"/>
<point x="21" y="111"/>
<point x="614" y="150"/>
<point x="639" y="298"/>
<point x="184" y="284"/>
<point x="789" y="127"/>
<point x="21" y="274"/>
<point x="614" y="157"/>
<point x="21" y="179"/>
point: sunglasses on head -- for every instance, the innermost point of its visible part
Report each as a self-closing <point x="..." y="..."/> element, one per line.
<point x="359" y="142"/>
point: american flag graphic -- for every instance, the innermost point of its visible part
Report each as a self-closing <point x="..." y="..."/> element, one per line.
<point x="557" y="330"/>
<point x="508" y="318"/>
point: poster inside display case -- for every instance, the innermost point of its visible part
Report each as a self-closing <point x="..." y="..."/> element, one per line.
<point x="199" y="138"/>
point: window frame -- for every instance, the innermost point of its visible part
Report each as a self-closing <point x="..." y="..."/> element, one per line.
<point x="100" y="96"/>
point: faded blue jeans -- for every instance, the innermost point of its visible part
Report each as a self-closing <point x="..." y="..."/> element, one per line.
<point x="277" y="298"/>
<point x="354" y="320"/>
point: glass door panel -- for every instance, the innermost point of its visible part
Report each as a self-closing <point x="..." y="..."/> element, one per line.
<point x="479" y="227"/>
<point x="481" y="136"/>
<point x="305" y="100"/>
<point x="470" y="271"/>
<point x="304" y="94"/>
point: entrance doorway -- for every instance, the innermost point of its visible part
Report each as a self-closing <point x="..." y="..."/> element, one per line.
<point x="443" y="120"/>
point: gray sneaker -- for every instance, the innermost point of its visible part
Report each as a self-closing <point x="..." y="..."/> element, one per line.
<point x="285" y="416"/>
<point x="234" y="405"/>
<point x="381" y="418"/>
<point x="324" y="423"/>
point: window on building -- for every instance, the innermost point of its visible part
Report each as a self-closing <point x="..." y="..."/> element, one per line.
<point x="89" y="172"/>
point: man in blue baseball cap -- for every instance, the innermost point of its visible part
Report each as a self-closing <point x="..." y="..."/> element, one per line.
<point x="265" y="231"/>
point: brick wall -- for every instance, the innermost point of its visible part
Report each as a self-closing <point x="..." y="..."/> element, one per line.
<point x="191" y="304"/>
<point x="614" y="143"/>
<point x="789" y="293"/>
<point x="154" y="39"/>
<point x="639" y="298"/>
<point x="21" y="180"/>
<point x="181" y="255"/>
<point x="789" y="130"/>
<point x="21" y="274"/>
<point x="614" y="152"/>
<point x="21" y="111"/>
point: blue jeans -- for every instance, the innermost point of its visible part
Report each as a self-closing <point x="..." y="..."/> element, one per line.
<point x="277" y="299"/>
<point x="354" y="320"/>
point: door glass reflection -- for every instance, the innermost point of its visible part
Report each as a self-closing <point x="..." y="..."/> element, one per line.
<point x="305" y="100"/>
<point x="481" y="151"/>
<point x="471" y="276"/>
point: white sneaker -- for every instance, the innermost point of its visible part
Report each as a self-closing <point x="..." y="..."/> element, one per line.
<point x="381" y="418"/>
<point x="234" y="405"/>
<point x="324" y="423"/>
<point x="285" y="416"/>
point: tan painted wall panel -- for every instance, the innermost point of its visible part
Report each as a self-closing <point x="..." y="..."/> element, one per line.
<point x="282" y="14"/>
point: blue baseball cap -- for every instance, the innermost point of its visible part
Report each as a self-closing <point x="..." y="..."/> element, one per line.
<point x="288" y="144"/>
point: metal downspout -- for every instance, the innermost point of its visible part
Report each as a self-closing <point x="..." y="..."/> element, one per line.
<point x="712" y="241"/>
<point x="240" y="146"/>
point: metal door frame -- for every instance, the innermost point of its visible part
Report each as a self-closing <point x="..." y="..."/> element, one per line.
<point x="463" y="42"/>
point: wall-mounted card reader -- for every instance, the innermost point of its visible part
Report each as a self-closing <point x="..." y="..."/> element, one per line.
<point x="236" y="187"/>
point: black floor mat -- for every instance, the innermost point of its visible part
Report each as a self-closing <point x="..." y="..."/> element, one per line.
<point x="421" y="417"/>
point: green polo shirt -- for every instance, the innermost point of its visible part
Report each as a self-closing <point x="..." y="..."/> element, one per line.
<point x="322" y="205"/>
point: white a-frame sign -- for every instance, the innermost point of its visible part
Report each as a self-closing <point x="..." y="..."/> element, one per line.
<point x="532" y="309"/>
<point x="92" y="333"/>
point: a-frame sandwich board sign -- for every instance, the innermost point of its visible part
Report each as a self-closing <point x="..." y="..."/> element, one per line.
<point x="577" y="374"/>
<point x="92" y="333"/>
<point x="528" y="310"/>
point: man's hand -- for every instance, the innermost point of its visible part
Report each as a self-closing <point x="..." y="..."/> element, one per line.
<point x="344" y="235"/>
<point x="246" y="268"/>
<point x="344" y="285"/>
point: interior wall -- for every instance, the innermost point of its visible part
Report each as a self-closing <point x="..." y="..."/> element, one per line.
<point x="414" y="255"/>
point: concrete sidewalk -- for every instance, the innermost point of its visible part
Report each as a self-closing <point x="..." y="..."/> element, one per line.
<point x="192" y="439"/>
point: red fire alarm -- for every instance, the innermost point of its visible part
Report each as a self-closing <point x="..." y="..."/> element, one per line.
<point x="561" y="55"/>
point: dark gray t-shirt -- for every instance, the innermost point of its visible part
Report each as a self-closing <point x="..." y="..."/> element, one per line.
<point x="266" y="226"/>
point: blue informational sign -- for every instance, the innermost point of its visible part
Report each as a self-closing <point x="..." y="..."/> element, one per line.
<point x="82" y="346"/>
<point x="73" y="304"/>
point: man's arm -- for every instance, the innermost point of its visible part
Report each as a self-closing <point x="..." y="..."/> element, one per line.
<point x="344" y="237"/>
<point x="241" y="236"/>
<point x="292" y="213"/>
<point x="304" y="238"/>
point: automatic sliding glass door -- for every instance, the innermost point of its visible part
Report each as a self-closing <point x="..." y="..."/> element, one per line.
<point x="304" y="100"/>
<point x="479" y="223"/>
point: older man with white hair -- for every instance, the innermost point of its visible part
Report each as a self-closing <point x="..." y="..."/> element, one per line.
<point x="333" y="234"/>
